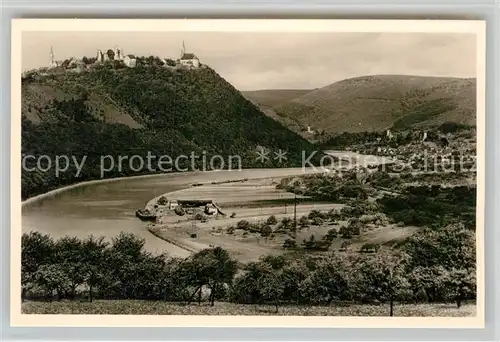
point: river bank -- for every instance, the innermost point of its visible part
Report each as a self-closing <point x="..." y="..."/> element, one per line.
<point x="341" y="154"/>
<point x="250" y="200"/>
<point x="247" y="172"/>
<point x="55" y="192"/>
<point x="107" y="207"/>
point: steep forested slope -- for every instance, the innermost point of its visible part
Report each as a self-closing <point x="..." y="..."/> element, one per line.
<point x="112" y="110"/>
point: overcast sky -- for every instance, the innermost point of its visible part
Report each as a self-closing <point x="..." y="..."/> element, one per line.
<point x="252" y="61"/>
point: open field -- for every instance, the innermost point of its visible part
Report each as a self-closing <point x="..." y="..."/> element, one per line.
<point x="141" y="307"/>
<point x="251" y="200"/>
<point x="233" y="193"/>
<point x="249" y="247"/>
<point x="246" y="247"/>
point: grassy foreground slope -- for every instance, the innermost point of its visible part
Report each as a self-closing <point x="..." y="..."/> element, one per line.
<point x="375" y="103"/>
<point x="142" y="307"/>
<point x="114" y="110"/>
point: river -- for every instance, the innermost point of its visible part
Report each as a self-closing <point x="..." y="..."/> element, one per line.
<point x="106" y="209"/>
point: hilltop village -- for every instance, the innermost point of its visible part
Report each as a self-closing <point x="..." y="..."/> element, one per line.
<point x="118" y="58"/>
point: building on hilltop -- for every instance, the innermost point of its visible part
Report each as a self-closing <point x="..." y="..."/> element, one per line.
<point x="130" y="61"/>
<point x="76" y="65"/>
<point x="188" y="59"/>
<point x="100" y="56"/>
<point x="118" y="54"/>
<point x="52" y="62"/>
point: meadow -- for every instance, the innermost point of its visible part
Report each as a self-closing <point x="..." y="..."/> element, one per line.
<point x="144" y="307"/>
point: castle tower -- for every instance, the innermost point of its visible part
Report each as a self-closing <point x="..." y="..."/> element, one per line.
<point x="99" y="57"/>
<point x="118" y="54"/>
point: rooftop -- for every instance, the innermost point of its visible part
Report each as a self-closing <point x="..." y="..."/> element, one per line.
<point x="188" y="56"/>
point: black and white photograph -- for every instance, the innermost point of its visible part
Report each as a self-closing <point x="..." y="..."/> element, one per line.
<point x="223" y="169"/>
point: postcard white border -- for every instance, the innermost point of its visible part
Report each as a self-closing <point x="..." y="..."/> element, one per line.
<point x="239" y="25"/>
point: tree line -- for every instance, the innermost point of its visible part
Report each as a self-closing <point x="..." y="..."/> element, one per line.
<point x="433" y="206"/>
<point x="421" y="205"/>
<point x="432" y="266"/>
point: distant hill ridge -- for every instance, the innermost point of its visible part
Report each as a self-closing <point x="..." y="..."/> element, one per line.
<point x="375" y="103"/>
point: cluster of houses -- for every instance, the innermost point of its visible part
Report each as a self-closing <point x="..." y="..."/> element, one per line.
<point x="445" y="154"/>
<point x="186" y="59"/>
<point x="425" y="152"/>
<point x="209" y="207"/>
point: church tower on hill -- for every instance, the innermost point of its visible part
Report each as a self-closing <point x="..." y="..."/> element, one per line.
<point x="52" y="62"/>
